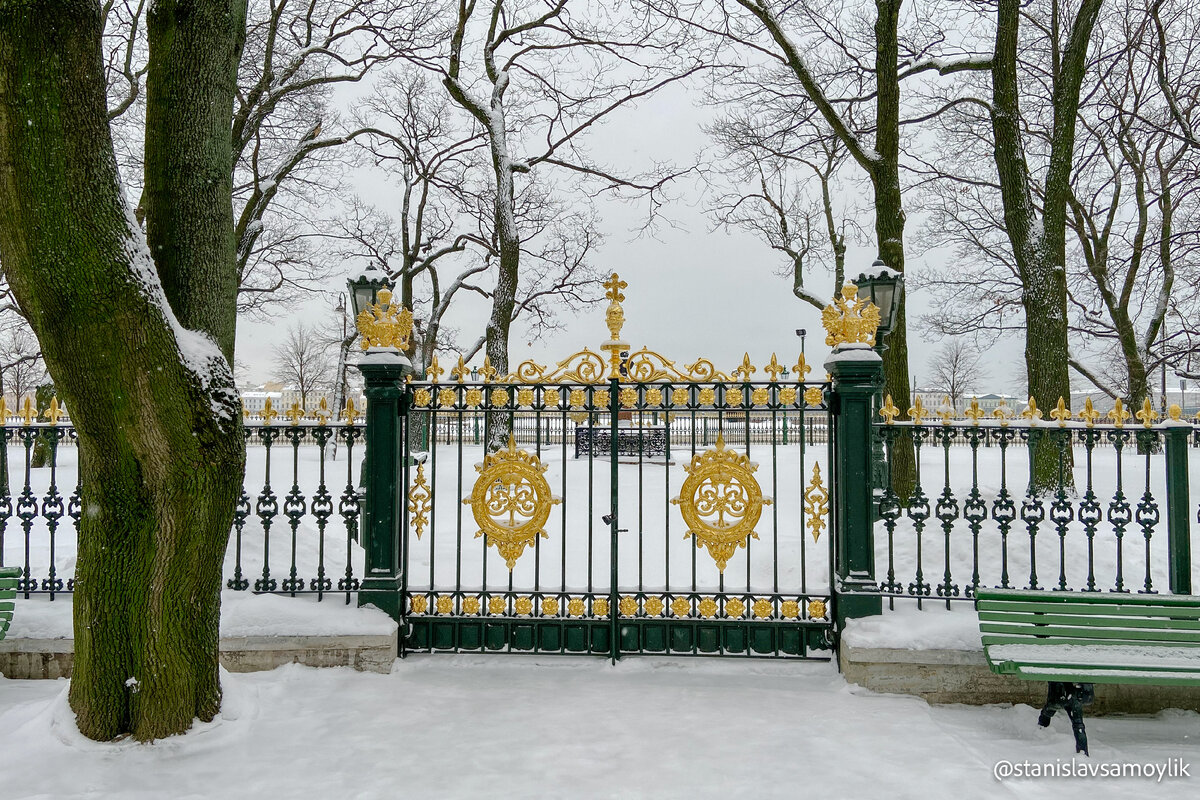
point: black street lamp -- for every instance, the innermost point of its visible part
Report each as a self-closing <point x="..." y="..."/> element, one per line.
<point x="364" y="287"/>
<point x="884" y="287"/>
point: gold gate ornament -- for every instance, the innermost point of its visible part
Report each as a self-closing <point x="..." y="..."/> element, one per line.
<point x="721" y="484"/>
<point x="511" y="501"/>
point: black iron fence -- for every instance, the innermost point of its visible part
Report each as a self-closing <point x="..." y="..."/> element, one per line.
<point x="296" y="526"/>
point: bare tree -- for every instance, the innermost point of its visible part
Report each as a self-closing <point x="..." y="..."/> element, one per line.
<point x="957" y="368"/>
<point x="21" y="367"/>
<point x="303" y="360"/>
<point x="538" y="80"/>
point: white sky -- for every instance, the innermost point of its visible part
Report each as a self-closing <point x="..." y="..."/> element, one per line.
<point x="693" y="291"/>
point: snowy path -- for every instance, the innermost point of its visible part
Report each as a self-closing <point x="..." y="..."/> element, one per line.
<point x="522" y="727"/>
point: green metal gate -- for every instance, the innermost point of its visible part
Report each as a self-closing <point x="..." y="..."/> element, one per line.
<point x="625" y="505"/>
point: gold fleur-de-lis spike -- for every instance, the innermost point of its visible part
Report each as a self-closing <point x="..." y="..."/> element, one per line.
<point x="349" y="413"/>
<point x="433" y="371"/>
<point x="917" y="413"/>
<point x="460" y="372"/>
<point x="268" y="413"/>
<point x="1119" y="415"/>
<point x="295" y="413"/>
<point x="801" y="369"/>
<point x="1032" y="412"/>
<point x="1061" y="412"/>
<point x="1002" y="413"/>
<point x="322" y="413"/>
<point x="1174" y="412"/>
<point x="1147" y="415"/>
<point x="1089" y="414"/>
<point x="745" y="369"/>
<point x="54" y="411"/>
<point x="3" y="411"/>
<point x="774" y="369"/>
<point x="946" y="411"/>
<point x="889" y="410"/>
<point x="487" y="370"/>
<point x="974" y="412"/>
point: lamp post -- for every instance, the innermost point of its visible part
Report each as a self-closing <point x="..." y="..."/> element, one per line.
<point x="884" y="287"/>
<point x="364" y="287"/>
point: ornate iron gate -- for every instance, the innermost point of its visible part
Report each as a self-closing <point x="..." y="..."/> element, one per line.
<point x="620" y="509"/>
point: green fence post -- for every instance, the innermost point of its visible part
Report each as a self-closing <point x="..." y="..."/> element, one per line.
<point x="383" y="373"/>
<point x="1179" y="524"/>
<point x="857" y="375"/>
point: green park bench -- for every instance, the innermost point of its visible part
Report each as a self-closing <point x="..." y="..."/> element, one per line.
<point x="8" y="596"/>
<point x="1073" y="640"/>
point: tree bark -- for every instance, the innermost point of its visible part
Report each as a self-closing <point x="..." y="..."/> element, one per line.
<point x="1039" y="246"/>
<point x="160" y="447"/>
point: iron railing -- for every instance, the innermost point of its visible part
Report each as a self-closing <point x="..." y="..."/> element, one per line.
<point x="976" y="518"/>
<point x="296" y="499"/>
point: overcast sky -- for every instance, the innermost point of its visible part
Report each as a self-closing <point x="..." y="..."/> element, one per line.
<point x="693" y="291"/>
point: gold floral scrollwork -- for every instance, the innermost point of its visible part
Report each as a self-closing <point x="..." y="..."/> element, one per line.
<point x="850" y="319"/>
<point x="511" y="501"/>
<point x="418" y="603"/>
<point x="385" y="324"/>
<point x="721" y="501"/>
<point x="446" y="397"/>
<point x="600" y="607"/>
<point x="523" y="606"/>
<point x="654" y="606"/>
<point x="790" y="609"/>
<point x="418" y="501"/>
<point x="576" y="607"/>
<point x="422" y="398"/>
<point x="445" y="604"/>
<point x="654" y="397"/>
<point x="550" y="607"/>
<point x="470" y="606"/>
<point x="628" y="397"/>
<point x="525" y="398"/>
<point x="496" y="605"/>
<point x="762" y="608"/>
<point x="787" y="396"/>
<point x="708" y="607"/>
<point x="628" y="606"/>
<point x="813" y="396"/>
<point x="760" y="396"/>
<point x="473" y="398"/>
<point x="816" y="503"/>
<point x="735" y="608"/>
<point x="680" y="607"/>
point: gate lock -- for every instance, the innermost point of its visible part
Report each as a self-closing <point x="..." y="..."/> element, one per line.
<point x="608" y="520"/>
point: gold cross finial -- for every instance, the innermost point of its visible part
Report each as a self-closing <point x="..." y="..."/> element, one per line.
<point x="1061" y="412"/>
<point x="1118" y="415"/>
<point x="28" y="412"/>
<point x="433" y="372"/>
<point x="1089" y="413"/>
<point x="614" y="286"/>
<point x="889" y="410"/>
<point x="295" y="413"/>
<point x="974" y="412"/>
<point x="54" y="411"/>
<point x="268" y="413"/>
<point x="1147" y="415"/>
<point x="460" y="372"/>
<point x="917" y="412"/>
<point x="774" y="369"/>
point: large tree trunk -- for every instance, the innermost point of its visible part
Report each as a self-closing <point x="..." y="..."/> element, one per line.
<point x="160" y="446"/>
<point x="889" y="226"/>
<point x="504" y="296"/>
<point x="1039" y="247"/>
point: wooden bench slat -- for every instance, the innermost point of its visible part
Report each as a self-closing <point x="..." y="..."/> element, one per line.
<point x="1093" y="675"/>
<point x="993" y="639"/>
<point x="1121" y="598"/>
<point x="1085" y="632"/>
<point x="1066" y="618"/>
<point x="1110" y="609"/>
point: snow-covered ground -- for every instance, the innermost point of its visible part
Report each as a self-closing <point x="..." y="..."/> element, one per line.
<point x="465" y="726"/>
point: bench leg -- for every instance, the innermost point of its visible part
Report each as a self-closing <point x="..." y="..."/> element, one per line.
<point x="1070" y="697"/>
